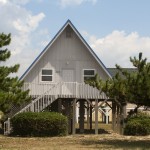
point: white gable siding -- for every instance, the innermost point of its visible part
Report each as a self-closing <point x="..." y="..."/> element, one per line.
<point x="66" y="53"/>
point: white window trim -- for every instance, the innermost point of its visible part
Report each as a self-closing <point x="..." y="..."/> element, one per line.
<point x="47" y="75"/>
<point x="89" y="75"/>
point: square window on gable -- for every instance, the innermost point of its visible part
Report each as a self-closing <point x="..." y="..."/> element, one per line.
<point x="47" y="75"/>
<point x="46" y="72"/>
<point x="88" y="74"/>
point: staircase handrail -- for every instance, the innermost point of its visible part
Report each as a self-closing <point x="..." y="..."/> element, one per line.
<point x="35" y="100"/>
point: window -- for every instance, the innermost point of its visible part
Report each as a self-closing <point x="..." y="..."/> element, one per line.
<point x="89" y="74"/>
<point x="47" y="75"/>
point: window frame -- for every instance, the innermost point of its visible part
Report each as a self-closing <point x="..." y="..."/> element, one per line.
<point x="89" y="75"/>
<point x="47" y="75"/>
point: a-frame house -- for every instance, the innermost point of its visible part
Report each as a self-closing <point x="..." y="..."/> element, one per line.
<point x="56" y="78"/>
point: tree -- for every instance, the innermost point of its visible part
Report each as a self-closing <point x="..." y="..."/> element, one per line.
<point x="10" y="87"/>
<point x="139" y="82"/>
<point x="124" y="87"/>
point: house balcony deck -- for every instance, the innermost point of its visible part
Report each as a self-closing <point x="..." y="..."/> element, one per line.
<point x="64" y="90"/>
<point x="45" y="94"/>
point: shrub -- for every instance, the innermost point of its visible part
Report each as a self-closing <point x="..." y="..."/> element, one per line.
<point x="138" y="125"/>
<point x="39" y="124"/>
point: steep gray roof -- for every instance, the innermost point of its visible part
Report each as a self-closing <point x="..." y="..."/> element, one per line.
<point x="113" y="71"/>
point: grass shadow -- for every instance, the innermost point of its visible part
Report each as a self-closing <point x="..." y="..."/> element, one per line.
<point x="118" y="144"/>
<point x="88" y="131"/>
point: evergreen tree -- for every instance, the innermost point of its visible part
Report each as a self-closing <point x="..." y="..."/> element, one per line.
<point x="139" y="82"/>
<point x="132" y="87"/>
<point x="10" y="87"/>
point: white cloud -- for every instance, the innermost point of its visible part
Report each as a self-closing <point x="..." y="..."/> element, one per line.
<point x="66" y="3"/>
<point x="21" y="23"/>
<point x="28" y="24"/>
<point x="117" y="47"/>
<point x="3" y="2"/>
<point x="20" y="2"/>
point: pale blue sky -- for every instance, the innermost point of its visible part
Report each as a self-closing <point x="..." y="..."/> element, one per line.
<point x="115" y="29"/>
<point x="100" y="18"/>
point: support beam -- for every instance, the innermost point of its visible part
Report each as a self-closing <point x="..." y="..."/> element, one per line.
<point x="90" y="117"/>
<point x="9" y="127"/>
<point x="122" y="118"/>
<point x="118" y="119"/>
<point x="124" y="110"/>
<point x="107" y="115"/>
<point x="103" y="102"/>
<point x="32" y="106"/>
<point x="67" y="105"/>
<point x="81" y="112"/>
<point x="74" y="117"/>
<point x="91" y="109"/>
<point x="89" y="102"/>
<point x="109" y="105"/>
<point x="113" y="115"/>
<point x="59" y="105"/>
<point x="96" y="116"/>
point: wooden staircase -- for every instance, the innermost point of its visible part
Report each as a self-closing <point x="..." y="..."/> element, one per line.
<point x="36" y="105"/>
<point x="49" y="95"/>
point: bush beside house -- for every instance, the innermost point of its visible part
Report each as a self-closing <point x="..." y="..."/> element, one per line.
<point x="138" y="125"/>
<point x="39" y="124"/>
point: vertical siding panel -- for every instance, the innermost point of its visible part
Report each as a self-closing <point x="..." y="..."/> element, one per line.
<point x="64" y="50"/>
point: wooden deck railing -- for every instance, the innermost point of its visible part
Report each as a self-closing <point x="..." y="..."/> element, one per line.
<point x="65" y="89"/>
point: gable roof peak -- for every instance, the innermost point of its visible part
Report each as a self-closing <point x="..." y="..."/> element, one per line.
<point x="68" y="22"/>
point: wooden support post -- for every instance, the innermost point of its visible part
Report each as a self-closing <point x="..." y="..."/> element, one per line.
<point x="113" y="116"/>
<point x="125" y="110"/>
<point x="67" y="105"/>
<point x="77" y="112"/>
<point x="123" y="116"/>
<point x="69" y="116"/>
<point x="118" y="119"/>
<point x="9" y="127"/>
<point x="32" y="106"/>
<point x="90" y="117"/>
<point x="74" y="117"/>
<point x="96" y="116"/>
<point x="107" y="116"/>
<point x="81" y="123"/>
<point x="59" y="105"/>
